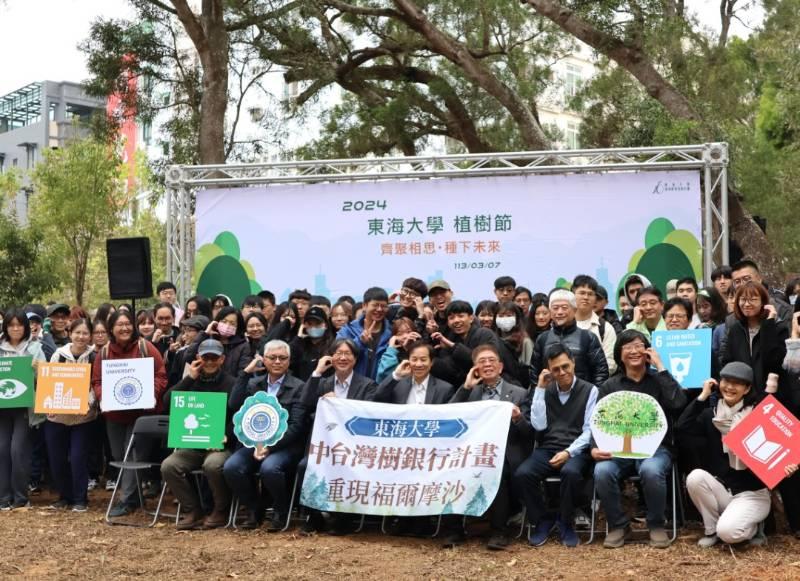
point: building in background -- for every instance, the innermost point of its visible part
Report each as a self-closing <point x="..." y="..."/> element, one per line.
<point x="37" y="117"/>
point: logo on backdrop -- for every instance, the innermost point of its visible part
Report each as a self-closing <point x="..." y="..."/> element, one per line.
<point x="128" y="390"/>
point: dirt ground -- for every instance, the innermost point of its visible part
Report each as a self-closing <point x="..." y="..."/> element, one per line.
<point x="39" y="543"/>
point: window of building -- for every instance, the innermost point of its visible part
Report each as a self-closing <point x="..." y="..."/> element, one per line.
<point x="573" y="135"/>
<point x="572" y="81"/>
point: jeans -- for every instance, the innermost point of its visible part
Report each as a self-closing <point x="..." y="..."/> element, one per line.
<point x="176" y="471"/>
<point x="15" y="455"/>
<point x="68" y="451"/>
<point x="119" y="436"/>
<point x="608" y="474"/>
<point x="275" y="471"/>
<point x="529" y="477"/>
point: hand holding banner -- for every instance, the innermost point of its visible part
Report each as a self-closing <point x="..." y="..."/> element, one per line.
<point x="63" y="388"/>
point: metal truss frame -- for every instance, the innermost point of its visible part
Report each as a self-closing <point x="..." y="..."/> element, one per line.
<point x="710" y="158"/>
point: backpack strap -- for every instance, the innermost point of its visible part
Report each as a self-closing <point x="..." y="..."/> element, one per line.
<point x="603" y="324"/>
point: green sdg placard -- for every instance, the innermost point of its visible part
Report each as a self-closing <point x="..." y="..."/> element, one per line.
<point x="197" y="420"/>
<point x="16" y="382"/>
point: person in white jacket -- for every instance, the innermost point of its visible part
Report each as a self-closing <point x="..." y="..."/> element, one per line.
<point x="15" y="432"/>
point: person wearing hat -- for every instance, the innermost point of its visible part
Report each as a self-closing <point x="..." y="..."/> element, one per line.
<point x="205" y="374"/>
<point x="312" y="343"/>
<point x="731" y="499"/>
<point x="58" y="314"/>
<point x="440" y="296"/>
<point x="610" y="316"/>
<point x="275" y="464"/>
<point x="36" y="315"/>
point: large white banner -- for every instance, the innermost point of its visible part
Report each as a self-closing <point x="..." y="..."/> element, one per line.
<point x="342" y="238"/>
<point x="406" y="460"/>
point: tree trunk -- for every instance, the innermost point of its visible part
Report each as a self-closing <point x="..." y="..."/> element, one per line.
<point x="627" y="444"/>
<point x="454" y="51"/>
<point x="633" y="59"/>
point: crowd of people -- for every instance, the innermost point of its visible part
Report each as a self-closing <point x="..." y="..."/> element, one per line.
<point x="552" y="355"/>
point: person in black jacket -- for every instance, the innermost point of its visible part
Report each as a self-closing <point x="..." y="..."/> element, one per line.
<point x="227" y="328"/>
<point x="412" y="382"/>
<point x="590" y="360"/>
<point x="308" y="349"/>
<point x="634" y="356"/>
<point x="455" y="345"/>
<point x="754" y="336"/>
<point x="206" y="373"/>
<point x="275" y="464"/>
<point x="344" y="383"/>
<point x="731" y="499"/>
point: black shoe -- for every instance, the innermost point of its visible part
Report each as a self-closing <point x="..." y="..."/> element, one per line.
<point x="59" y="504"/>
<point x="252" y="521"/>
<point x="121" y="509"/>
<point x="452" y="540"/>
<point x="497" y="542"/>
<point x="20" y="504"/>
<point x="276" y="523"/>
<point x="314" y="524"/>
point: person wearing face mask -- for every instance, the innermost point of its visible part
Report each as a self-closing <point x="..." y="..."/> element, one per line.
<point x="228" y="328"/>
<point x="792" y="290"/>
<point x="731" y="499"/>
<point x="510" y="324"/>
<point x="312" y="344"/>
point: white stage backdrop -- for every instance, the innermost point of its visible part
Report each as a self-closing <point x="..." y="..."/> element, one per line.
<point x="341" y="238"/>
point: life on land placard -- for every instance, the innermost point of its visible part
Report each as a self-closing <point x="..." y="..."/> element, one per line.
<point x="197" y="419"/>
<point x="62" y="388"/>
<point x="16" y="382"/>
<point x="687" y="355"/>
<point x="628" y="424"/>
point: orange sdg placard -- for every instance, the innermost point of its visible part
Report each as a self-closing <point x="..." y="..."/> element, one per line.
<point x="62" y="388"/>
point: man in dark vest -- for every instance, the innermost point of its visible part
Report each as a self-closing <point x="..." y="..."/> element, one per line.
<point x="561" y="408"/>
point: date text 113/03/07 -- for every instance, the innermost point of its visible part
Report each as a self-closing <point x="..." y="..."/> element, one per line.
<point x="475" y="265"/>
<point x="363" y="206"/>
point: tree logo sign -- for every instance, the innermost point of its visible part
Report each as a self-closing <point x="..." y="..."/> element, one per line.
<point x="628" y="424"/>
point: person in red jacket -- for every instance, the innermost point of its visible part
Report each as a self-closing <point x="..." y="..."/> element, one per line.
<point x="125" y="343"/>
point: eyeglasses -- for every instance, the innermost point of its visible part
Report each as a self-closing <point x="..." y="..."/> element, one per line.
<point x="407" y="292"/>
<point x="633" y="347"/>
<point x="343" y="355"/>
<point x="749" y="300"/>
<point x="676" y="317"/>
<point x="585" y="293"/>
<point x="743" y="279"/>
<point x="485" y="360"/>
<point x="280" y="358"/>
<point x="653" y="303"/>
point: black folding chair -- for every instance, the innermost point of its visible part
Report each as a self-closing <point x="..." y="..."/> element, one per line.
<point x="153" y="428"/>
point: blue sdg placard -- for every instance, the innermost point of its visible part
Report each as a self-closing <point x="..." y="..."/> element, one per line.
<point x="261" y="421"/>
<point x="686" y="354"/>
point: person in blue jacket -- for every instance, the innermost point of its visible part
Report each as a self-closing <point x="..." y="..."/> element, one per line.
<point x="370" y="332"/>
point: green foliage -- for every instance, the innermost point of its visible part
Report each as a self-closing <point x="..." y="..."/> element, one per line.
<point x="78" y="201"/>
<point x="628" y="413"/>
<point x="29" y="272"/>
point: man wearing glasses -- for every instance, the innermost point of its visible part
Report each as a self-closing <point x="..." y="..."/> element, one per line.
<point x="274" y="464"/>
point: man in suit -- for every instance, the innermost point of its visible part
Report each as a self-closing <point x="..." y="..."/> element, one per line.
<point x="344" y="383"/>
<point x="412" y="382"/>
<point x="275" y="464"/>
<point x="485" y="383"/>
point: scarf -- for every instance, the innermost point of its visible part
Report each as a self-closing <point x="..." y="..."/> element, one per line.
<point x="725" y="419"/>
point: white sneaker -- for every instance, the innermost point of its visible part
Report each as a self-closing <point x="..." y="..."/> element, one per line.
<point x="708" y="541"/>
<point x="92" y="484"/>
<point x="110" y="484"/>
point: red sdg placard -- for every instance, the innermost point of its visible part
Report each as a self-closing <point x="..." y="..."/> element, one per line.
<point x="765" y="441"/>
